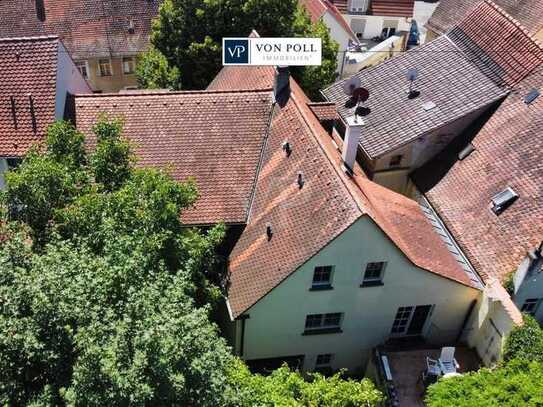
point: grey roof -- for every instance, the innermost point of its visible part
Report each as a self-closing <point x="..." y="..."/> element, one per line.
<point x="445" y="77"/>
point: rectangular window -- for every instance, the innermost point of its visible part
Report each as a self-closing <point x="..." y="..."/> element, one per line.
<point x="83" y="68"/>
<point x="104" y="67"/>
<point x="323" y="363"/>
<point x="395" y="161"/>
<point x="322" y="278"/>
<point x="129" y="65"/>
<point x="323" y="323"/>
<point x="373" y="275"/>
<point x="530" y="306"/>
<point x="401" y="321"/>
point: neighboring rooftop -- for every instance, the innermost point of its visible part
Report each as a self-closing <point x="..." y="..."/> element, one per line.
<point x="317" y="8"/>
<point x="392" y="8"/>
<point x="445" y="77"/>
<point x="88" y="28"/>
<point x="310" y="217"/>
<point x="529" y="13"/>
<point x="28" y="78"/>
<point x="214" y="137"/>
<point x="464" y="71"/>
<point x="507" y="154"/>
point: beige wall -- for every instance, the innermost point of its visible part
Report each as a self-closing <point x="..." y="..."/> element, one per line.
<point x="117" y="81"/>
<point x="276" y="322"/>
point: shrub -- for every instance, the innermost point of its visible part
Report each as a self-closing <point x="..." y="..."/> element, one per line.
<point x="525" y="342"/>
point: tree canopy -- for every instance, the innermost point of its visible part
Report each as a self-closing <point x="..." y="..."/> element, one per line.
<point x="187" y="36"/>
<point x="105" y="297"/>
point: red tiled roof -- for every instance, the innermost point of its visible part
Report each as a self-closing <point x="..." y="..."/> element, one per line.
<point x="317" y="8"/>
<point x="325" y="111"/>
<point x="243" y="78"/>
<point x="306" y="219"/>
<point x="214" y="137"/>
<point x="28" y="74"/>
<point x="88" y="28"/>
<point x="497" y="44"/>
<point x="450" y="12"/>
<point x="508" y="153"/>
<point x="341" y="5"/>
<point x="392" y="8"/>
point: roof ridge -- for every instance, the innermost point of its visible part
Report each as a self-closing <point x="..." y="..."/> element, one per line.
<point x="170" y="93"/>
<point x="30" y="38"/>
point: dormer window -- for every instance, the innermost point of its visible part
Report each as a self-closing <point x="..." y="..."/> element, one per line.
<point x="503" y="200"/>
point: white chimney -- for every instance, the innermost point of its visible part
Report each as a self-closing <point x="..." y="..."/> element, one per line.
<point x="350" y="143"/>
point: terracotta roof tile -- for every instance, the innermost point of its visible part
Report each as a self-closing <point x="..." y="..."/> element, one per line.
<point x="497" y="44"/>
<point x="306" y="219"/>
<point x="450" y="12"/>
<point x="393" y="8"/>
<point x="508" y="153"/>
<point x="28" y="76"/>
<point x="88" y="28"/>
<point x="317" y="8"/>
<point x="214" y="137"/>
<point x="445" y="77"/>
<point x="243" y="78"/>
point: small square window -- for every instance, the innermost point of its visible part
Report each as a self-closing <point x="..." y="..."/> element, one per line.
<point x="129" y="65"/>
<point x="374" y="273"/>
<point x="83" y="68"/>
<point x="104" y="67"/>
<point x="396" y="160"/>
<point x="530" y="306"/>
<point x="322" y="277"/>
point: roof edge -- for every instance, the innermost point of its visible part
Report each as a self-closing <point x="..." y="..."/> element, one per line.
<point x="177" y="92"/>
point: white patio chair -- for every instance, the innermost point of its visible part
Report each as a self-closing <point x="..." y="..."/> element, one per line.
<point x="432" y="367"/>
<point x="447" y="361"/>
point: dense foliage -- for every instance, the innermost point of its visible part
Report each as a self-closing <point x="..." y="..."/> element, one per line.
<point x="517" y="381"/>
<point x="187" y="36"/>
<point x="286" y="388"/>
<point x="105" y="297"/>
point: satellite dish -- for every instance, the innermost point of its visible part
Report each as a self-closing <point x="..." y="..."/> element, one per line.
<point x="361" y="94"/>
<point x="412" y="74"/>
<point x="350" y="85"/>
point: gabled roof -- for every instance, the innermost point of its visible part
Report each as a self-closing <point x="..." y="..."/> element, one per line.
<point x="215" y="137"/>
<point x="392" y="8"/>
<point x="445" y="77"/>
<point x="317" y="8"/>
<point x="304" y="220"/>
<point x="88" y="28"/>
<point x="469" y="68"/>
<point x="508" y="153"/>
<point x="529" y="13"/>
<point x="28" y="77"/>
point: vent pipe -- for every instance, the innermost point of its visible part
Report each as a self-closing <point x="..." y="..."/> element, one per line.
<point x="281" y="81"/>
<point x="350" y="143"/>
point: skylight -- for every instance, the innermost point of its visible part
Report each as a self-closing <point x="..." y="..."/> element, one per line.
<point x="503" y="200"/>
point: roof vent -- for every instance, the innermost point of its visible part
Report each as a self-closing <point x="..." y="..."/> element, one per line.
<point x="503" y="200"/>
<point x="300" y="180"/>
<point x="269" y="231"/>
<point x="287" y="148"/>
<point x="412" y="75"/>
<point x="531" y="96"/>
<point x="470" y="148"/>
<point x="429" y="105"/>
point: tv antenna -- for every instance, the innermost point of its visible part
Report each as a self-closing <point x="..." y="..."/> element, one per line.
<point x="412" y="75"/>
<point x="358" y="96"/>
<point x="350" y="85"/>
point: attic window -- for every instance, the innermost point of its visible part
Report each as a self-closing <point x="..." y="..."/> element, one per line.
<point x="40" y="10"/>
<point x="531" y="96"/>
<point x="428" y="105"/>
<point x="466" y="151"/>
<point x="503" y="200"/>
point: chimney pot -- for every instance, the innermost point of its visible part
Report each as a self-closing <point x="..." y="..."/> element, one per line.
<point x="350" y="143"/>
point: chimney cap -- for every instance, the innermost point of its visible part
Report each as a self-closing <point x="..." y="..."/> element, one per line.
<point x="355" y="121"/>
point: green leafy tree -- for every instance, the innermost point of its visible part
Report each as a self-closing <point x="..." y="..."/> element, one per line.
<point x="154" y="72"/>
<point x="287" y="388"/>
<point x="525" y="341"/>
<point x="519" y="384"/>
<point x="188" y="34"/>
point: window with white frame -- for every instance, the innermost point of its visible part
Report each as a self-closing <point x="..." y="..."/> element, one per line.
<point x="323" y="364"/>
<point x="104" y="67"/>
<point x="401" y="321"/>
<point x="373" y="274"/>
<point x="322" y="277"/>
<point x="530" y="306"/>
<point x="129" y="65"/>
<point x="83" y="68"/>
<point x="323" y="323"/>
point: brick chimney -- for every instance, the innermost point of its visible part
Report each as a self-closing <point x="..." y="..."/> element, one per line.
<point x="281" y="81"/>
<point x="350" y="143"/>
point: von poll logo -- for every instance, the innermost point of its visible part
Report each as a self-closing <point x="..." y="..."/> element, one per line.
<point x="272" y="51"/>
